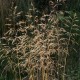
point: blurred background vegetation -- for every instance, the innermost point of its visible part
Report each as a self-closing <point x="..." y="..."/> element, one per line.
<point x="12" y="11"/>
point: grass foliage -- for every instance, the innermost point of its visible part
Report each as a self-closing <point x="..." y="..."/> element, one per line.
<point x="37" y="46"/>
